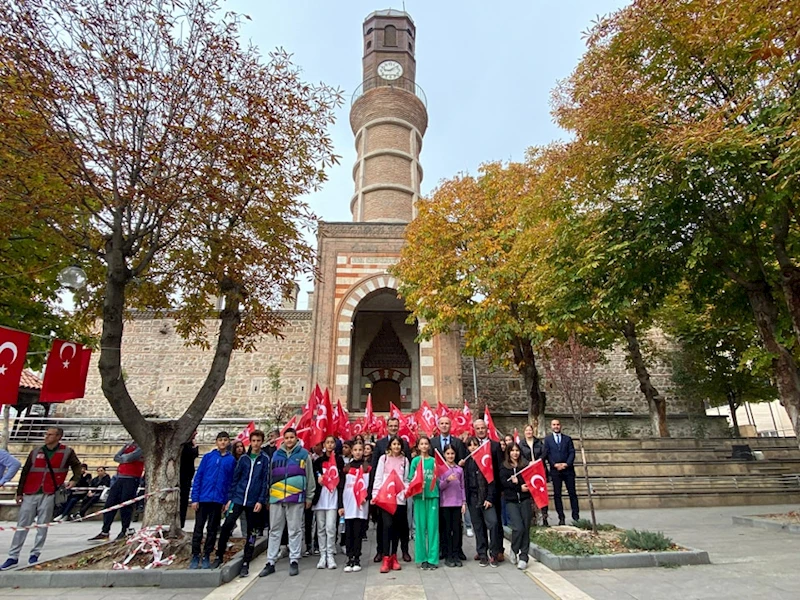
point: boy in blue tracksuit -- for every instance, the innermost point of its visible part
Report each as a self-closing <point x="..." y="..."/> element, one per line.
<point x="247" y="493"/>
<point x="210" y="487"/>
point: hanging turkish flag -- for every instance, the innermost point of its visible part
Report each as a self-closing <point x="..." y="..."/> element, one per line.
<point x="330" y="473"/>
<point x="304" y="435"/>
<point x="65" y="374"/>
<point x="462" y="421"/>
<point x="387" y="495"/>
<point x="493" y="435"/>
<point x="379" y="427"/>
<point x="439" y="466"/>
<point x="358" y="427"/>
<point x="321" y="427"/>
<point x="360" y="487"/>
<point x="396" y="413"/>
<point x="368" y="414"/>
<point x="290" y="424"/>
<point x="426" y="418"/>
<point x="244" y="434"/>
<point x="417" y="482"/>
<point x="13" y="348"/>
<point x="443" y="411"/>
<point x="342" y="422"/>
<point x="536" y="479"/>
<point x="405" y="433"/>
<point x="483" y="457"/>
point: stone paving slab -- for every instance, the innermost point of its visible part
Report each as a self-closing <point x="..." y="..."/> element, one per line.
<point x="746" y="563"/>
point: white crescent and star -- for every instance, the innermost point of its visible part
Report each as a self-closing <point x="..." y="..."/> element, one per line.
<point x="483" y="460"/>
<point x="8" y="346"/>
<point x="533" y="481"/>
<point x="61" y="353"/>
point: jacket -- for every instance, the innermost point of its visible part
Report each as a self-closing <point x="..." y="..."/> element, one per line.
<point x="478" y="490"/>
<point x="249" y="483"/>
<point x="318" y="465"/>
<point x="291" y="476"/>
<point x="35" y="476"/>
<point x="8" y="467"/>
<point x="212" y="480"/>
<point x="559" y="453"/>
<point x="512" y="492"/>
<point x="130" y="461"/>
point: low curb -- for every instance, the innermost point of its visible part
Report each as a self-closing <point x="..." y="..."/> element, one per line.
<point x="633" y="560"/>
<point x="767" y="524"/>
<point x="164" y="578"/>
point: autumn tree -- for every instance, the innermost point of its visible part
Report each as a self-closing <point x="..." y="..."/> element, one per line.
<point x="185" y="155"/>
<point x="694" y="105"/>
<point x="462" y="266"/>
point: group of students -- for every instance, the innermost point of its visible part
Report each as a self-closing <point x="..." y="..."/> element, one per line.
<point x="279" y="487"/>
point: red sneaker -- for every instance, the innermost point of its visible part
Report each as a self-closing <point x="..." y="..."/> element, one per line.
<point x="395" y="565"/>
<point x="386" y="566"/>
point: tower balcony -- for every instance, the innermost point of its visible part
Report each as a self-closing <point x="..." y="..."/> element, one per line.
<point x="401" y="83"/>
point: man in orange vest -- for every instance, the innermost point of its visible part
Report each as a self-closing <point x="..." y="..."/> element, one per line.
<point x="124" y="488"/>
<point x="44" y="472"/>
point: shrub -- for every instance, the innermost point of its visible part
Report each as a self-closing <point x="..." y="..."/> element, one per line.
<point x="587" y="524"/>
<point x="564" y="545"/>
<point x="645" y="540"/>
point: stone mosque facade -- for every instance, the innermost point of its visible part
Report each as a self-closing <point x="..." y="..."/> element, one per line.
<point x="354" y="339"/>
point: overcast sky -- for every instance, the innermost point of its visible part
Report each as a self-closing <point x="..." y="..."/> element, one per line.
<point x="487" y="70"/>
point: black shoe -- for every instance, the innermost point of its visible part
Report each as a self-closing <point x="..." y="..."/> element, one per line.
<point x="493" y="563"/>
<point x="458" y="563"/>
<point x="461" y="555"/>
<point x="121" y="536"/>
<point x="378" y="558"/>
<point x="432" y="566"/>
<point x="544" y="522"/>
<point x="245" y="570"/>
<point x="449" y="563"/>
<point x="294" y="569"/>
<point x="562" y="522"/>
<point x="100" y="537"/>
<point x="484" y="561"/>
<point x="216" y="564"/>
<point x="268" y="569"/>
<point x="406" y="556"/>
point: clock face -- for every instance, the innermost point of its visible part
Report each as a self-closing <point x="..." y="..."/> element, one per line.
<point x="390" y="69"/>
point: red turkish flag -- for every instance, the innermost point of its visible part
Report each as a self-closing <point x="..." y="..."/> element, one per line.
<point x="309" y="410"/>
<point x="379" y="427"/>
<point x="387" y="495"/>
<point x="426" y="418"/>
<point x="330" y="473"/>
<point x="396" y="413"/>
<point x="244" y="434"/>
<point x="493" y="435"/>
<point x="516" y="435"/>
<point x="13" y="348"/>
<point x="369" y="416"/>
<point x="304" y="435"/>
<point x="405" y="433"/>
<point x="462" y="421"/>
<point x="65" y="375"/>
<point x="443" y="411"/>
<point x="290" y="424"/>
<point x="360" y="487"/>
<point x="483" y="457"/>
<point x="321" y="427"/>
<point x="536" y="479"/>
<point x="358" y="427"/>
<point x="416" y="483"/>
<point x="439" y="466"/>
<point x="342" y="421"/>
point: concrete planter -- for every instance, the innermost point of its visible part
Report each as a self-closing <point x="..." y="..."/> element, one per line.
<point x="165" y="578"/>
<point x="767" y="524"/>
<point x="632" y="560"/>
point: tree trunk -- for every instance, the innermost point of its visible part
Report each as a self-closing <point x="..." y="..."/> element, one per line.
<point x="732" y="406"/>
<point x="588" y="485"/>
<point x="790" y="273"/>
<point x="162" y="471"/>
<point x="525" y="360"/>
<point x="656" y="403"/>
<point x="766" y="314"/>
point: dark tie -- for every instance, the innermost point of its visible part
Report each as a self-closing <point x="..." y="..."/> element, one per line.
<point x="445" y="442"/>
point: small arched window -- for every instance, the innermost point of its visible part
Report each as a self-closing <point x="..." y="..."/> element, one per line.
<point x="369" y="45"/>
<point x="390" y="35"/>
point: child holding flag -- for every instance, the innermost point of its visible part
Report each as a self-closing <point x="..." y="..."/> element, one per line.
<point x="391" y="502"/>
<point x="424" y="487"/>
<point x="518" y="501"/>
<point x="328" y="468"/>
<point x="453" y="504"/>
<point x="355" y="508"/>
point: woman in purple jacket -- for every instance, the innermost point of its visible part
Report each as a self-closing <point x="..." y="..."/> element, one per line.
<point x="453" y="504"/>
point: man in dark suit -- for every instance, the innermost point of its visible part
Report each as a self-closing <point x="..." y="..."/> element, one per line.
<point x="559" y="453"/>
<point x="482" y="433"/>
<point x="392" y="427"/>
<point x="440" y="442"/>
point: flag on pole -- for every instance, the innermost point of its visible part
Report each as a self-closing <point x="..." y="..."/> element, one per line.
<point x="244" y="434"/>
<point x="462" y="421"/>
<point x="66" y="371"/>
<point x="13" y="347"/>
<point x="426" y="418"/>
<point x="369" y="415"/>
<point x="493" y="434"/>
<point x="535" y="478"/>
<point x="483" y="458"/>
<point x="290" y="424"/>
<point x="439" y="466"/>
<point x="360" y="487"/>
<point x="387" y="495"/>
<point x="330" y="473"/>
<point x="442" y="410"/>
<point x="417" y="482"/>
<point x="516" y="435"/>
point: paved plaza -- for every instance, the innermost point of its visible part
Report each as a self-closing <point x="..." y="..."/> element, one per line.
<point x="746" y="563"/>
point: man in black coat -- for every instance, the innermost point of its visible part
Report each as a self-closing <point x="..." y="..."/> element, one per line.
<point x="559" y="453"/>
<point x="482" y="433"/>
<point x="392" y="427"/>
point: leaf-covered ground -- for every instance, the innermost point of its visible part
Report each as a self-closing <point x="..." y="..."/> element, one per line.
<point x="572" y="541"/>
<point x="791" y="518"/>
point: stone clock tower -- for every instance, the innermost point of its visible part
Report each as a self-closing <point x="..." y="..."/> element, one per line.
<point x="361" y="343"/>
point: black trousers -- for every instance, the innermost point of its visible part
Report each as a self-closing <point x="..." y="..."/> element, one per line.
<point x="567" y="476"/>
<point x="394" y="530"/>
<point x="186" y="490"/>
<point x="124" y="489"/>
<point x="450" y="534"/>
<point x="230" y="523"/>
<point x="210" y="513"/>
<point x="88" y="502"/>
<point x="308" y="524"/>
<point x="519" y="517"/>
<point x="487" y="528"/>
<point x="353" y="532"/>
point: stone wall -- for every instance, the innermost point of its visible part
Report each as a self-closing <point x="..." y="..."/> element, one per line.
<point x="163" y="375"/>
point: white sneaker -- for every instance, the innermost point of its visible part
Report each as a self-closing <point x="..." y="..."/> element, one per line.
<point x="59" y="518"/>
<point x="348" y="569"/>
<point x="522" y="565"/>
<point x="512" y="557"/>
<point x="331" y="562"/>
<point x="470" y="533"/>
<point x="322" y="562"/>
<point x="356" y="568"/>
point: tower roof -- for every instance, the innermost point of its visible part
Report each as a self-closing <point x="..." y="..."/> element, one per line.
<point x="389" y="12"/>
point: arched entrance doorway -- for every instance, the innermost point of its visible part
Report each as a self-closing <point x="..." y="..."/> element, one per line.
<point x="384" y="358"/>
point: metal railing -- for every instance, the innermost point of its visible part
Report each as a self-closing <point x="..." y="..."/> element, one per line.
<point x="401" y="83"/>
<point x="607" y="485"/>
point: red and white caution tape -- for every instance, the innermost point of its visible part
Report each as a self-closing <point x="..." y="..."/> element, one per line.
<point x="147" y="540"/>
<point x="99" y="512"/>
